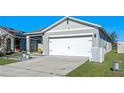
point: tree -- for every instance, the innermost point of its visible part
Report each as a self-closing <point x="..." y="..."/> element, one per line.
<point x="114" y="37"/>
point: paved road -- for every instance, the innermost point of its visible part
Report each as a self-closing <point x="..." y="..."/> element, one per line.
<point x="45" y="66"/>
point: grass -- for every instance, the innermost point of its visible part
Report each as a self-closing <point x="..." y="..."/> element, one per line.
<point x="7" y="61"/>
<point x="93" y="69"/>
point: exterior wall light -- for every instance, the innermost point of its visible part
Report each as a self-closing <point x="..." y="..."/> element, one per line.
<point x="94" y="35"/>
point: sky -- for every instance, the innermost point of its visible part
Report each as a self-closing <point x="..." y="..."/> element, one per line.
<point x="31" y="23"/>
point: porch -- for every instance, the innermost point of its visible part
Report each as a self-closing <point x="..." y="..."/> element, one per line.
<point x="34" y="42"/>
<point x="15" y="44"/>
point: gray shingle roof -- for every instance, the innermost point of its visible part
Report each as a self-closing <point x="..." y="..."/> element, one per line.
<point x="12" y="31"/>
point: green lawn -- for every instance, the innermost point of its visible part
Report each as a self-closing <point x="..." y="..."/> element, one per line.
<point x="90" y="69"/>
<point x="7" y="61"/>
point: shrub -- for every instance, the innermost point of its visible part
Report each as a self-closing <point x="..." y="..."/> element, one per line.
<point x="1" y="54"/>
<point x="40" y="50"/>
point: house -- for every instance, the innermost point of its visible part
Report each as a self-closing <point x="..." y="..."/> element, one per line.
<point x="11" y="39"/>
<point x="69" y="37"/>
<point x="120" y="47"/>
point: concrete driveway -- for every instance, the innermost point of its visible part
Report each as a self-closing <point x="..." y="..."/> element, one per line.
<point x="47" y="66"/>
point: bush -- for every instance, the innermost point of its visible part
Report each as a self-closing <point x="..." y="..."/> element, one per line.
<point x="8" y="50"/>
<point x="40" y="50"/>
<point x="1" y="54"/>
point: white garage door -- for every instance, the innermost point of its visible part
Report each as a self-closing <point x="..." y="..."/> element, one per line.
<point x="80" y="46"/>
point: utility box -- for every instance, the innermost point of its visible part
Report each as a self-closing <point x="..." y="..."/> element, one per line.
<point x="97" y="54"/>
<point x="120" y="47"/>
<point x="116" y="65"/>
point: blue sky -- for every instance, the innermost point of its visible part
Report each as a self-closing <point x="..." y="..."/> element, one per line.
<point x="30" y="23"/>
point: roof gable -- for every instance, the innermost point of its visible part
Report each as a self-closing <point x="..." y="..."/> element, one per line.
<point x="10" y="31"/>
<point x="4" y="32"/>
<point x="75" y="21"/>
<point x="69" y="22"/>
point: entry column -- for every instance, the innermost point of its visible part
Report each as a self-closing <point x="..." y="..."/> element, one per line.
<point x="28" y="44"/>
<point x="12" y="44"/>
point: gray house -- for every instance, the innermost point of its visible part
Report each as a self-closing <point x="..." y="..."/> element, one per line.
<point x="69" y="37"/>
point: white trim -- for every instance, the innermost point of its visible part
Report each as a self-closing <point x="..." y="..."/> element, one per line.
<point x="54" y="24"/>
<point x="85" y="22"/>
<point x="72" y="35"/>
<point x="33" y="33"/>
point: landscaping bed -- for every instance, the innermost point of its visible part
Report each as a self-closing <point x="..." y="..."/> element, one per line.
<point x="7" y="61"/>
<point x="92" y="69"/>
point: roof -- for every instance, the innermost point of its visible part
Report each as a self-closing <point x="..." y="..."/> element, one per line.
<point x="39" y="31"/>
<point x="79" y="21"/>
<point x="72" y="19"/>
<point x="10" y="29"/>
<point x="14" y="32"/>
<point x="75" y="20"/>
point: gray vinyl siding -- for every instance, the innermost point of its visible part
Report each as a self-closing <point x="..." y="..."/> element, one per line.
<point x="47" y="34"/>
<point x="70" y="25"/>
<point x="105" y="42"/>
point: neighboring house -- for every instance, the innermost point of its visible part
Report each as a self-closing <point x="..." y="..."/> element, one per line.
<point x="69" y="37"/>
<point x="14" y="41"/>
<point x="120" y="47"/>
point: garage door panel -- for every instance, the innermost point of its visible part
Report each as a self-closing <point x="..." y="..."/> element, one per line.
<point x="58" y="46"/>
<point x="80" y="46"/>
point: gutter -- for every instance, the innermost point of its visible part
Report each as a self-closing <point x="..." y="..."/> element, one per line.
<point x="33" y="33"/>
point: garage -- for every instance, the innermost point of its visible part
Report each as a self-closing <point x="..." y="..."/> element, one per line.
<point x="70" y="46"/>
<point x="73" y="37"/>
